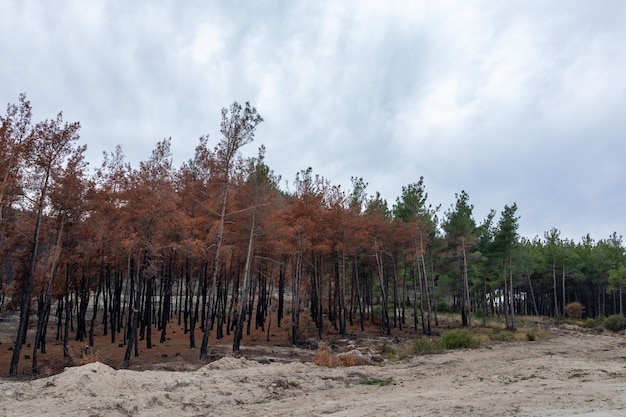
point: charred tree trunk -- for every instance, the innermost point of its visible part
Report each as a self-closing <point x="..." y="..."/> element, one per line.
<point x="97" y="299"/>
<point x="27" y="282"/>
<point x="167" y="300"/>
<point x="282" y="272"/>
<point x="135" y="312"/>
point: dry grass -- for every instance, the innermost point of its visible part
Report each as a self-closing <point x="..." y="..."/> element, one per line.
<point x="86" y="355"/>
<point x="325" y="357"/>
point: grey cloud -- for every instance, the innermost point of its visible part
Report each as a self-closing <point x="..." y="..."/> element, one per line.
<point x="512" y="101"/>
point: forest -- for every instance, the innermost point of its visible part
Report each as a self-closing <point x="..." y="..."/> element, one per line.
<point x="218" y="245"/>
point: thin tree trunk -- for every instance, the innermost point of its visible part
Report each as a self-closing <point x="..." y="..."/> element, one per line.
<point x="295" y="296"/>
<point x="97" y="300"/>
<point x="466" y="297"/>
<point x="68" y="313"/>
<point x="532" y="293"/>
<point x="136" y="311"/>
<point x="512" y="298"/>
<point x="563" y="285"/>
<point x="428" y="301"/>
<point x="244" y="291"/>
<point x="213" y="290"/>
<point x="358" y="293"/>
<point x="45" y="299"/>
<point x="556" y="302"/>
<point x="383" y="288"/>
<point x="27" y="286"/>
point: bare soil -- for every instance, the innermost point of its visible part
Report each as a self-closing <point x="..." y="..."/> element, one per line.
<point x="569" y="371"/>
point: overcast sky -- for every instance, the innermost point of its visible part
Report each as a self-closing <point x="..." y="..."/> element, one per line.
<point x="511" y="101"/>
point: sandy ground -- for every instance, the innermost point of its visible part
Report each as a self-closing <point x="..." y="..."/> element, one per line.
<point x="570" y="374"/>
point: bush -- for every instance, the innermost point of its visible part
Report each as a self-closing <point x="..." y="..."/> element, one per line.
<point x="498" y="335"/>
<point x="423" y="346"/>
<point x="324" y="357"/>
<point x="444" y="307"/>
<point x="388" y="350"/>
<point x="459" y="339"/>
<point x="376" y="381"/>
<point x="593" y="323"/>
<point x="615" y="323"/>
<point x="575" y="310"/>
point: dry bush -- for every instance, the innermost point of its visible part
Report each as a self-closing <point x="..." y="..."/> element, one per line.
<point x="324" y="357"/>
<point x="575" y="310"/>
<point x="85" y="356"/>
<point x="350" y="359"/>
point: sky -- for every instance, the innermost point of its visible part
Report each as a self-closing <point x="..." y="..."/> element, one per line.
<point x="513" y="102"/>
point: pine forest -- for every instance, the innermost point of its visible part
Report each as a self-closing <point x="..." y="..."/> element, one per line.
<point x="218" y="246"/>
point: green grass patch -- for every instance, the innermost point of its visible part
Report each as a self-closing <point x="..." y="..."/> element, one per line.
<point x="499" y="335"/>
<point x="376" y="381"/>
<point x="577" y="373"/>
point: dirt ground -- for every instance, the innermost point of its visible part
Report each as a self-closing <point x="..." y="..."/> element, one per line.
<point x="572" y="372"/>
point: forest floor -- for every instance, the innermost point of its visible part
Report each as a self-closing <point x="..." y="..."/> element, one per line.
<point x="567" y="371"/>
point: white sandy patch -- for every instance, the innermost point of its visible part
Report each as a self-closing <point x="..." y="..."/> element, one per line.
<point x="570" y="374"/>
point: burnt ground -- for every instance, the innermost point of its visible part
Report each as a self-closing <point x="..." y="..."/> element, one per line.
<point x="175" y="354"/>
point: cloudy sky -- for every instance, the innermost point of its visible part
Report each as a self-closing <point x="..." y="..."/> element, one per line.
<point x="516" y="101"/>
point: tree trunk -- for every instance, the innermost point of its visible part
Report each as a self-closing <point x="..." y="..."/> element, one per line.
<point x="466" y="298"/>
<point x="212" y="293"/>
<point x="97" y="300"/>
<point x="386" y="327"/>
<point x="556" y="302"/>
<point x="512" y="298"/>
<point x="428" y="301"/>
<point x="136" y="311"/>
<point x="358" y="293"/>
<point x="244" y="291"/>
<point x="27" y="283"/>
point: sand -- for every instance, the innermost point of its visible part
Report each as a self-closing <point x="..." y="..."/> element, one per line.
<point x="572" y="373"/>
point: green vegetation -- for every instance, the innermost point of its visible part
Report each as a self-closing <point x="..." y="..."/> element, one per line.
<point x="406" y="265"/>
<point x="459" y="339"/>
<point x="593" y="323"/>
<point x="499" y="335"/>
<point x="376" y="381"/>
<point x="424" y="346"/>
<point x="615" y="323"/>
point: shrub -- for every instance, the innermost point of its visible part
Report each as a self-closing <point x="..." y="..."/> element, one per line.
<point x="615" y="323"/>
<point x="324" y="357"/>
<point x="423" y="346"/>
<point x="531" y="336"/>
<point x="376" y="381"/>
<point x="498" y="335"/>
<point x="575" y="310"/>
<point x="388" y="350"/>
<point x="478" y="314"/>
<point x="459" y="339"/>
<point x="444" y="307"/>
<point x="593" y="323"/>
<point x="350" y="359"/>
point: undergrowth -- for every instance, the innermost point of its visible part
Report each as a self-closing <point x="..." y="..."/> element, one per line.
<point x="459" y="339"/>
<point x="376" y="381"/>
